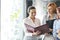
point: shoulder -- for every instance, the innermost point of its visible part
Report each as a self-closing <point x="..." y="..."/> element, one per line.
<point x="25" y="20"/>
<point x="37" y="19"/>
<point x="55" y="15"/>
<point x="45" y="16"/>
<point x="55" y="21"/>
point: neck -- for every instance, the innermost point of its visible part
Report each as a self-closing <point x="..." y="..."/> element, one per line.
<point x="33" y="18"/>
<point x="51" y="14"/>
<point x="58" y="17"/>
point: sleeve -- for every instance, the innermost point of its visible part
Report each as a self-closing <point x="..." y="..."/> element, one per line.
<point x="54" y="29"/>
<point x="44" y="19"/>
<point x="25" y="29"/>
<point x="39" y="22"/>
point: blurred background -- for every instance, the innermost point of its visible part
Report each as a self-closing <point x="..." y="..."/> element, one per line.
<point x="14" y="11"/>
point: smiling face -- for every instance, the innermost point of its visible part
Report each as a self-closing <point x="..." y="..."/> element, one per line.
<point x="58" y="12"/>
<point x="32" y="12"/>
<point x="50" y="9"/>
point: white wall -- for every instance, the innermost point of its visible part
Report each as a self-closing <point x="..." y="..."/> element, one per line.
<point x="11" y="18"/>
<point x="41" y="9"/>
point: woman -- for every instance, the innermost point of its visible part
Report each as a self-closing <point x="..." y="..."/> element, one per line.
<point x="56" y="27"/>
<point x="51" y="16"/>
<point x="34" y="22"/>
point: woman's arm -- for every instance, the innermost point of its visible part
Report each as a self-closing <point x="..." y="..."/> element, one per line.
<point x="28" y="33"/>
<point x="54" y="29"/>
<point x="44" y="19"/>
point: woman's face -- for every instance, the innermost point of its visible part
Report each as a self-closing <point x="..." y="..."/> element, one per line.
<point x="50" y="9"/>
<point x="32" y="12"/>
<point x="58" y="13"/>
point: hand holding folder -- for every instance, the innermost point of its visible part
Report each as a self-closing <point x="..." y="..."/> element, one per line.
<point x="43" y="28"/>
<point x="29" y="28"/>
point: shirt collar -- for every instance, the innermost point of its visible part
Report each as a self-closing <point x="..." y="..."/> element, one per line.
<point x="30" y="18"/>
<point x="54" y="16"/>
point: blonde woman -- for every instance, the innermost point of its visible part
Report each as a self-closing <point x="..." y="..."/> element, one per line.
<point x="50" y="16"/>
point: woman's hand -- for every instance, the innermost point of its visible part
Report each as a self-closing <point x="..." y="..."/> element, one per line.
<point x="36" y="33"/>
<point x="50" y="29"/>
<point x="46" y="34"/>
<point x="58" y="31"/>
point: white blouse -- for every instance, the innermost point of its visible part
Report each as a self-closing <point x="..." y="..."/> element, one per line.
<point x="46" y="17"/>
<point x="30" y="22"/>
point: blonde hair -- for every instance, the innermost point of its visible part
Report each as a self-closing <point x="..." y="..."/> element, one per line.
<point x="53" y="5"/>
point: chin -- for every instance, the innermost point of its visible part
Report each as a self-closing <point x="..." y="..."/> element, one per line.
<point x="33" y="15"/>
